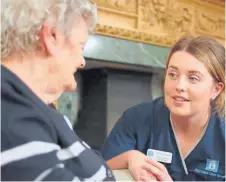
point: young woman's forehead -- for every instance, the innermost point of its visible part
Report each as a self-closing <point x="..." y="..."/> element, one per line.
<point x="185" y="61"/>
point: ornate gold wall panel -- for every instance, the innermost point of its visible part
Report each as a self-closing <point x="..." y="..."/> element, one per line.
<point x="161" y="22"/>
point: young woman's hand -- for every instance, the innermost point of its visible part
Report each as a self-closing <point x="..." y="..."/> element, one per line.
<point x="158" y="170"/>
<point x="142" y="168"/>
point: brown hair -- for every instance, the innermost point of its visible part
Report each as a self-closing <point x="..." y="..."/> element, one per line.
<point x="212" y="55"/>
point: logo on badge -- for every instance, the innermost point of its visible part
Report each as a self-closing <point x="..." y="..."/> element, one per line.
<point x="212" y="165"/>
<point x="150" y="153"/>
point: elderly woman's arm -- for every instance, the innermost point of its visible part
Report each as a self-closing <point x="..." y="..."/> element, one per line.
<point x="30" y="152"/>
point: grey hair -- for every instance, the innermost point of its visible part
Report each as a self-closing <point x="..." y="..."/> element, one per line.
<point x="22" y="20"/>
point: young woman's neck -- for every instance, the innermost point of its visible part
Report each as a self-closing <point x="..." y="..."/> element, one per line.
<point x="191" y="124"/>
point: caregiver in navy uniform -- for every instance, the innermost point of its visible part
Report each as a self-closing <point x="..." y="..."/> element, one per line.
<point x="181" y="136"/>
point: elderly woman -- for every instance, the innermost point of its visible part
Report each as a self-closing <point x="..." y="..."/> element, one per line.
<point x="41" y="47"/>
<point x="181" y="136"/>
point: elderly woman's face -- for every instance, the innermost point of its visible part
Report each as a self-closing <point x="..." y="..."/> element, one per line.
<point x="66" y="54"/>
<point x="189" y="86"/>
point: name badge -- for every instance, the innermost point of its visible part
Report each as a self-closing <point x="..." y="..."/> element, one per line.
<point x="160" y="156"/>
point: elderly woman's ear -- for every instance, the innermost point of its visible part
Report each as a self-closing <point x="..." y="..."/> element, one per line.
<point x="51" y="38"/>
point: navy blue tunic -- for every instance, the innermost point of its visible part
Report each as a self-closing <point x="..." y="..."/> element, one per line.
<point x="147" y="126"/>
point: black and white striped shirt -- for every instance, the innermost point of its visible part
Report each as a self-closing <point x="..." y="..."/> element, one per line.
<point x="37" y="143"/>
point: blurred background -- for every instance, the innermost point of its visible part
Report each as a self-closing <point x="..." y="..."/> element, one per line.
<point x="126" y="58"/>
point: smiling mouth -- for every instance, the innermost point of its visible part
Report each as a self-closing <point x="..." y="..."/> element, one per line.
<point x="180" y="99"/>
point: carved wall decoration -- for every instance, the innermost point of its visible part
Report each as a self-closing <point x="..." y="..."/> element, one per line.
<point x="216" y="2"/>
<point x="119" y="3"/>
<point x="210" y="23"/>
<point x="160" y="22"/>
<point x="122" y="5"/>
<point x="179" y="18"/>
<point x="152" y="13"/>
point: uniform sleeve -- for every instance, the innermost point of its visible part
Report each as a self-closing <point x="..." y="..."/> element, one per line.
<point x="122" y="137"/>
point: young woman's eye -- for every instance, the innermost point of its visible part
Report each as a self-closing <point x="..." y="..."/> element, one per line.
<point x="172" y="75"/>
<point x="193" y="79"/>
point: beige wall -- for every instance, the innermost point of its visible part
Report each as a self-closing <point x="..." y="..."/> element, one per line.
<point x="161" y="22"/>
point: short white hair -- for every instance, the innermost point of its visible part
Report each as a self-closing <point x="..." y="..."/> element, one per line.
<point x="22" y="20"/>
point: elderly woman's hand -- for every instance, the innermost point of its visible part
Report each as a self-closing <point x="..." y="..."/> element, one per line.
<point x="142" y="168"/>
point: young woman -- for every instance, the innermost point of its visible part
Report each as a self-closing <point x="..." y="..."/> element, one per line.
<point x="182" y="135"/>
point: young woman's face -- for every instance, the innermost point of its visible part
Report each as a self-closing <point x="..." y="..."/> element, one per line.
<point x="188" y="86"/>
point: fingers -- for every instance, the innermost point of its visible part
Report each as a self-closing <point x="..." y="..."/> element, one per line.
<point x="136" y="175"/>
<point x="153" y="170"/>
<point x="143" y="168"/>
<point x="146" y="176"/>
<point x="157" y="169"/>
<point x="157" y="164"/>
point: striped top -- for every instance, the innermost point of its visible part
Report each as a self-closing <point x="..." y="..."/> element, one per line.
<point x="37" y="143"/>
